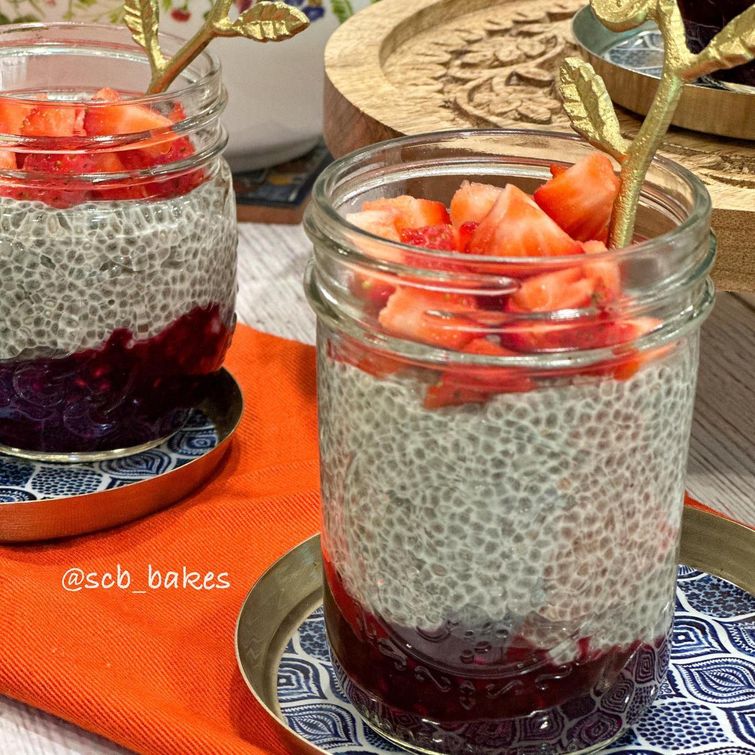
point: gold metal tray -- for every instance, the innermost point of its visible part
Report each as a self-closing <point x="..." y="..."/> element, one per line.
<point x="626" y="61"/>
<point x="287" y="593"/>
<point x="48" y="518"/>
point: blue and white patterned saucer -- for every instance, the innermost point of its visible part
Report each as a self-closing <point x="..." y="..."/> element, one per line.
<point x="44" y="500"/>
<point x="706" y="706"/>
<point x="22" y="480"/>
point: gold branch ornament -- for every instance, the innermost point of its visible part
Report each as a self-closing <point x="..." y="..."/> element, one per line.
<point x="591" y="111"/>
<point x="263" y="22"/>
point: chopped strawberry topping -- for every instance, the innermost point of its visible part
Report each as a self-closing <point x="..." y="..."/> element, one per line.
<point x="430" y="237"/>
<point x="548" y="292"/>
<point x="581" y="198"/>
<point x="464" y="234"/>
<point x="430" y="317"/>
<point x="7" y="160"/>
<point x="410" y="212"/>
<point x="517" y="227"/>
<point x="472" y="202"/>
<point x="54" y="120"/>
<point x="462" y="385"/>
<point x="12" y="115"/>
<point x="604" y="274"/>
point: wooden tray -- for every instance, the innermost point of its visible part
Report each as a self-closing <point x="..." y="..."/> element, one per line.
<point x="402" y="67"/>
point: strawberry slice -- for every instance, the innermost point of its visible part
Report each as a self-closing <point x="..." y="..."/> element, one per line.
<point x="557" y="170"/>
<point x="411" y="212"/>
<point x="604" y="274"/>
<point x="12" y="115"/>
<point x="375" y="291"/>
<point x="54" y="121"/>
<point x="581" y="198"/>
<point x="464" y="385"/>
<point x="61" y="192"/>
<point x="430" y="237"/>
<point x="121" y="117"/>
<point x="464" y="234"/>
<point x="408" y="315"/>
<point x="472" y="202"/>
<point x="517" y="227"/>
<point x="377" y="222"/>
<point x="7" y="160"/>
<point x="548" y="292"/>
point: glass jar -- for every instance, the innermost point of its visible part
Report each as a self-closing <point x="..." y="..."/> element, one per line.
<point x="117" y="243"/>
<point x="500" y="525"/>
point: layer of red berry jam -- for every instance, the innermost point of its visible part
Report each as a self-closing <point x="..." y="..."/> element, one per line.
<point x="566" y="218"/>
<point x="481" y="688"/>
<point x="55" y="177"/>
<point x="122" y="394"/>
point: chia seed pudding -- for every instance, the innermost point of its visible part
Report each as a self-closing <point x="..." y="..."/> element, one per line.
<point x="569" y="494"/>
<point x="111" y="314"/>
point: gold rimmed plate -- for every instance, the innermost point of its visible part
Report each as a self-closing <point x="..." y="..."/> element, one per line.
<point x="43" y="500"/>
<point x="282" y="652"/>
<point x="629" y="63"/>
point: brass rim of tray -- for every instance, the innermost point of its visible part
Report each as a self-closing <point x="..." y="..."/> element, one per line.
<point x="53" y="518"/>
<point x="291" y="589"/>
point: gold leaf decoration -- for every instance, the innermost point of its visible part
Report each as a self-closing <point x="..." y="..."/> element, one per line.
<point x="142" y="18"/>
<point x="270" y="22"/>
<point x="733" y="46"/>
<point x="589" y="107"/>
<point x="620" y="15"/>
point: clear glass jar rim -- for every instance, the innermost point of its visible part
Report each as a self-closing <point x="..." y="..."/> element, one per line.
<point x="698" y="213"/>
<point x="211" y="60"/>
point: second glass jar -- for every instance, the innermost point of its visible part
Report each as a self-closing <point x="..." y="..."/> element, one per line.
<point x="117" y="243"/>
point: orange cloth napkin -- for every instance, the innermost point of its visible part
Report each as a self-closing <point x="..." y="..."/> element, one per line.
<point x="156" y="672"/>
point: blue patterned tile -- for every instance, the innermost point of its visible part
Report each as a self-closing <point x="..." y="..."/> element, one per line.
<point x="706" y="704"/>
<point x="24" y="481"/>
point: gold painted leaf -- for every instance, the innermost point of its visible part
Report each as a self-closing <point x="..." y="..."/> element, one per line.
<point x="270" y="22"/>
<point x="589" y="107"/>
<point x="733" y="46"/>
<point x="620" y="15"/>
<point x="142" y="18"/>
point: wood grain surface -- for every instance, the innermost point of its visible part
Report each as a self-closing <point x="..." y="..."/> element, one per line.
<point x="402" y="67"/>
<point x="722" y="452"/>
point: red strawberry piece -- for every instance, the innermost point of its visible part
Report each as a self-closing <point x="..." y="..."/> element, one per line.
<point x="557" y="170"/>
<point x="12" y="115"/>
<point x="463" y="385"/>
<point x="377" y="222"/>
<point x="118" y="117"/>
<point x="430" y="237"/>
<point x="106" y="94"/>
<point x="180" y="14"/>
<point x="581" y="198"/>
<point x="7" y="160"/>
<point x="373" y="290"/>
<point x="548" y="292"/>
<point x="464" y="235"/>
<point x="604" y="274"/>
<point x="517" y="227"/>
<point x="411" y="212"/>
<point x="472" y="202"/>
<point x="61" y="192"/>
<point x="110" y="162"/>
<point x="54" y="121"/>
<point x="429" y="317"/>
